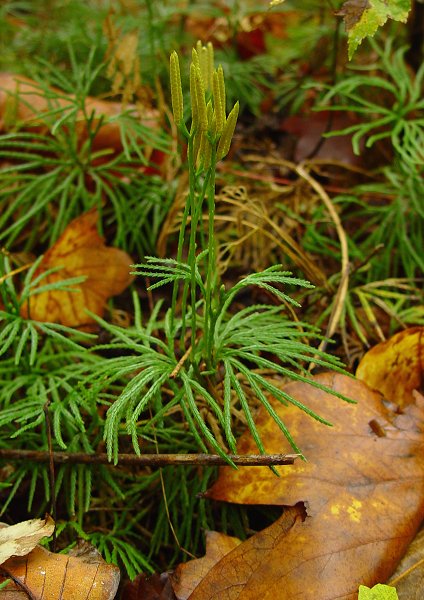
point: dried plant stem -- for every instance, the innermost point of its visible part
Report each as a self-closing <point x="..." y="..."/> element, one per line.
<point x="153" y="460"/>
<point x="15" y="272"/>
<point x="393" y="582"/>
<point x="345" y="266"/>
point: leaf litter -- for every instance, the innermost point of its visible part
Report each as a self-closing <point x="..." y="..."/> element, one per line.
<point x="36" y="573"/>
<point x="362" y="492"/>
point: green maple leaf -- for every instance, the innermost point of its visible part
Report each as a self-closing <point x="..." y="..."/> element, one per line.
<point x="378" y="592"/>
<point x="364" y="17"/>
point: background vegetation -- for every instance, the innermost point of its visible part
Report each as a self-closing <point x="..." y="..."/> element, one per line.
<point x="351" y="223"/>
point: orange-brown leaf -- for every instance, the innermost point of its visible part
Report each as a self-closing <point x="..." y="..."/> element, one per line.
<point x="363" y="493"/>
<point x="80" y="251"/>
<point x="396" y="367"/>
<point x="248" y="571"/>
<point x="187" y="576"/>
<point x="58" y="576"/>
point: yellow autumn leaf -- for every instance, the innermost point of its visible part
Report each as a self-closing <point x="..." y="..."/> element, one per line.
<point x="396" y="367"/>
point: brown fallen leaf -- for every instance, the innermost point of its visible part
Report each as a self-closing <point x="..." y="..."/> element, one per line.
<point x="149" y="587"/>
<point x="80" y="250"/>
<point x="24" y="103"/>
<point x="396" y="367"/>
<point x="187" y="576"/>
<point x="364" y="497"/>
<point x="409" y="575"/>
<point x="408" y="579"/>
<point x="46" y="576"/>
<point x="308" y="130"/>
<point x="252" y="560"/>
<point x="20" y="539"/>
<point x="10" y="592"/>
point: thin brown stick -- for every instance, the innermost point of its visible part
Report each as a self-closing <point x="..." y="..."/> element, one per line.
<point x="153" y="460"/>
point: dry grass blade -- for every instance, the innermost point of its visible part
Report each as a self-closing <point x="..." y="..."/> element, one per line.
<point x="344" y="280"/>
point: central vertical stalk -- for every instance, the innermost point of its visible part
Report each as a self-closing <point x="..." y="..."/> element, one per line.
<point x="211" y="262"/>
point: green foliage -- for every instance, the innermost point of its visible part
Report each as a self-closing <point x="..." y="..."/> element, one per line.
<point x="62" y="170"/>
<point x="393" y="113"/>
<point x="363" y="19"/>
<point x="397" y="224"/>
<point x="227" y="351"/>
<point x="378" y="592"/>
<point x="189" y="374"/>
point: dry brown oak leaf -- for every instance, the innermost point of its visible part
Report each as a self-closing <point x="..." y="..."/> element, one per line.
<point x="364" y="497"/>
<point x="42" y="575"/>
<point x="80" y="251"/>
<point x="396" y="367"/>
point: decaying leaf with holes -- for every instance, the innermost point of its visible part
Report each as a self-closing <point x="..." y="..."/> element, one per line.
<point x="42" y="575"/>
<point x="362" y="488"/>
<point x="396" y="367"/>
<point x="80" y="251"/>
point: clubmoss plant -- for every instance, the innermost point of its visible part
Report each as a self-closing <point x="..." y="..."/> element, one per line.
<point x="203" y="354"/>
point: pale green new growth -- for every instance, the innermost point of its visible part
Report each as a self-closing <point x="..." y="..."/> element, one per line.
<point x="378" y="592"/>
<point x="219" y="99"/>
<point x="195" y="58"/>
<point x="210" y="64"/>
<point x="204" y="153"/>
<point x="210" y="117"/>
<point x="193" y="97"/>
<point x="203" y="57"/>
<point x="200" y="100"/>
<point x="176" y="89"/>
<point x="227" y="134"/>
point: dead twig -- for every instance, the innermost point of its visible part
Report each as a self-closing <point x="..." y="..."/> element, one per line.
<point x="153" y="460"/>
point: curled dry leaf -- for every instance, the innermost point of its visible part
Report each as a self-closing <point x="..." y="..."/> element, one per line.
<point x="363" y="493"/>
<point x="47" y="576"/>
<point x="396" y="367"/>
<point x="20" y="539"/>
<point x="80" y="250"/>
